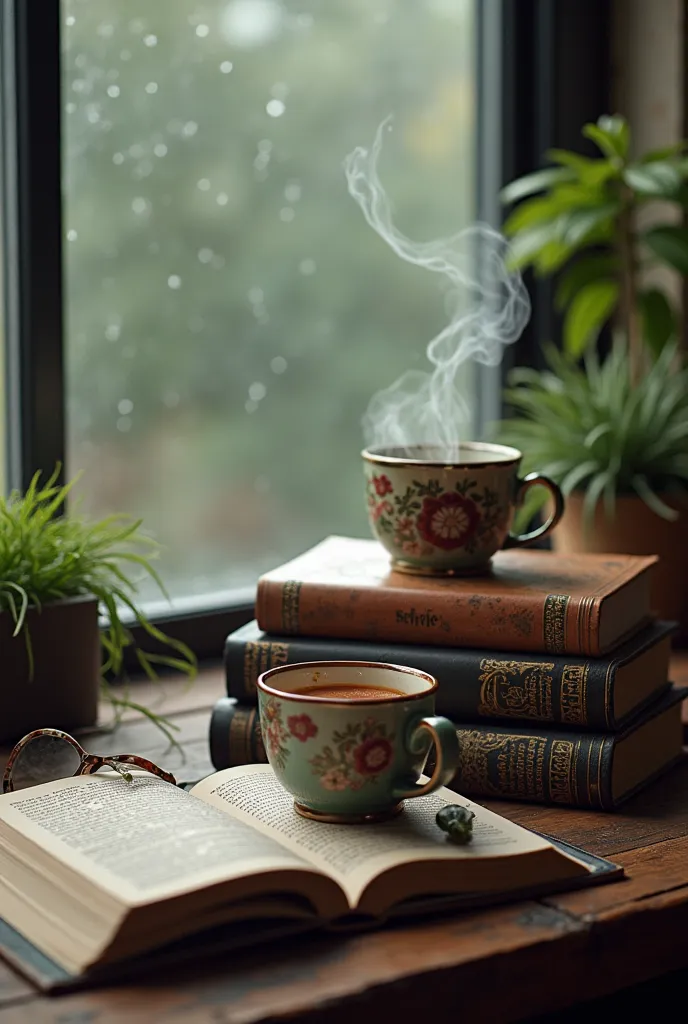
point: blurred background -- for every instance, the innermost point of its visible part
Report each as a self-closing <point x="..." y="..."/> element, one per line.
<point x="229" y="312"/>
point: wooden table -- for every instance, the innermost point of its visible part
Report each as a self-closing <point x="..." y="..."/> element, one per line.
<point x="503" y="964"/>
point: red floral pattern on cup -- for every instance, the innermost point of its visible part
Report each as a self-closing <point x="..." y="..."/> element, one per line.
<point x="302" y="727"/>
<point x="448" y="521"/>
<point x="382" y="485"/>
<point x="355" y="756"/>
<point x="373" y="755"/>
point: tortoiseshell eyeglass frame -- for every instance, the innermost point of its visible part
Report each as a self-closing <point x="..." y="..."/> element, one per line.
<point x="89" y="763"/>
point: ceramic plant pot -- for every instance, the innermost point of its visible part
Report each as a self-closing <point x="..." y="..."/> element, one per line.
<point x="636" y="530"/>
<point x="63" y="692"/>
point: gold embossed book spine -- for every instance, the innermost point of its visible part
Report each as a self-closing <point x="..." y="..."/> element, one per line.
<point x="574" y="692"/>
<point x="547" y="766"/>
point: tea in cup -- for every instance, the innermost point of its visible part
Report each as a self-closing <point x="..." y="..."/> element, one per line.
<point x="440" y="516"/>
<point x="349" y="740"/>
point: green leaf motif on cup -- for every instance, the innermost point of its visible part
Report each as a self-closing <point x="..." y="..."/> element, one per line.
<point x="275" y="735"/>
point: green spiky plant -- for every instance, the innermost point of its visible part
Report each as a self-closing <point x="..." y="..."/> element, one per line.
<point x="48" y="554"/>
<point x="619" y="424"/>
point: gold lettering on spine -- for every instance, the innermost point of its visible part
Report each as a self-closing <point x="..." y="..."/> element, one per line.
<point x="501" y="764"/>
<point x="522" y="689"/>
<point x="554" y="624"/>
<point x="259" y="656"/>
<point x="574" y="694"/>
<point x="561" y="768"/>
<point x="290" y="606"/>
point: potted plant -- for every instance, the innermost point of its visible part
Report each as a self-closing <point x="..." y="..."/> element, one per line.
<point x="611" y="429"/>
<point x="58" y="574"/>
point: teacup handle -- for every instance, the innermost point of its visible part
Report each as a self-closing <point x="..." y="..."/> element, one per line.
<point x="522" y="486"/>
<point x="443" y="735"/>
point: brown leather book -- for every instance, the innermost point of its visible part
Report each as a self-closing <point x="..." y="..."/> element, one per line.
<point x="531" y="600"/>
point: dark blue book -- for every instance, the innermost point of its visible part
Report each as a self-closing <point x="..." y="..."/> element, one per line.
<point x="578" y="692"/>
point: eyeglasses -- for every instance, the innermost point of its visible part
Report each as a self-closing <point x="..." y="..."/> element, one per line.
<point x="47" y="755"/>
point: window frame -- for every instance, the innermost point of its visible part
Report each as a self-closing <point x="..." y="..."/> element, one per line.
<point x="529" y="98"/>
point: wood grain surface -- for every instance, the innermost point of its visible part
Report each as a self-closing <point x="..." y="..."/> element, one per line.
<point x="506" y="963"/>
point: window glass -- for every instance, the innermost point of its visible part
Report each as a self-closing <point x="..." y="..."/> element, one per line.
<point x="229" y="311"/>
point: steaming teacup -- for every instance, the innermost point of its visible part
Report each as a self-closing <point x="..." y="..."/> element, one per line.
<point x="439" y="516"/>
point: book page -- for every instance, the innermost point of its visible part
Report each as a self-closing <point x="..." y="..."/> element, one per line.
<point x="140" y="840"/>
<point x="355" y="854"/>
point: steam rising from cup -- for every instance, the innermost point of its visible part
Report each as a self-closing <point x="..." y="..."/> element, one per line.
<point x="490" y="308"/>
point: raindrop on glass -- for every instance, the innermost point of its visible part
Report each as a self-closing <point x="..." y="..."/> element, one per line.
<point x="250" y="406"/>
<point x="278" y="364"/>
<point x="151" y="88"/>
<point x="189" y="129"/>
<point x="275" y="108"/>
<point x="203" y="184"/>
<point x="307" y="267"/>
<point x="205" y="255"/>
<point x="125" y="406"/>
<point x="221" y="198"/>
<point x="72" y="235"/>
<point x="113" y="90"/>
<point x="257" y="391"/>
<point x="118" y="158"/>
<point x="292" y="192"/>
<point x="151" y="40"/>
<point x="160" y="149"/>
<point x="287" y="214"/>
<point x="202" y="31"/>
<point x="174" y="282"/>
<point x="256" y="296"/>
<point x="124" y="424"/>
<point x="226" y="66"/>
<point x="112" y="332"/>
<point x="139" y="205"/>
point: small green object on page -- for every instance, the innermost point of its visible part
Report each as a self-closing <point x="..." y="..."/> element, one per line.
<point x="457" y="822"/>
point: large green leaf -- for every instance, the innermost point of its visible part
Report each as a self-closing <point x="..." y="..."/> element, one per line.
<point x="581" y="223"/>
<point x="670" y="245"/>
<point x="530" y="212"/>
<point x="527" y="244"/>
<point x="591" y="173"/>
<point x="659" y="323"/>
<point x="538" y="181"/>
<point x="611" y="135"/>
<point x="585" y="269"/>
<point x="589" y="310"/>
<point x="661" y="179"/>
<point x="663" y="154"/>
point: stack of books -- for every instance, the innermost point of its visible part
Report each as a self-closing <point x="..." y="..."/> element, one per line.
<point x="552" y="667"/>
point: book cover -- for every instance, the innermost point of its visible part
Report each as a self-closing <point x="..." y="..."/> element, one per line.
<point x="257" y="870"/>
<point x="531" y="600"/>
<point x="580" y="692"/>
<point x="549" y="766"/>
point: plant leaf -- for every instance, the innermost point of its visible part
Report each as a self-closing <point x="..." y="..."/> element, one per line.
<point x="582" y="272"/>
<point x="609" y="137"/>
<point x="661" y="179"/>
<point x="670" y="244"/>
<point x="586" y="314"/>
<point x="659" y="322"/>
<point x="538" y="181"/>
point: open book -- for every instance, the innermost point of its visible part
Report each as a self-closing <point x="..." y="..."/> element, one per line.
<point x="96" y="870"/>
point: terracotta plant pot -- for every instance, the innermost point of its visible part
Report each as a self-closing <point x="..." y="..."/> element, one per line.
<point x="63" y="693"/>
<point x="636" y="530"/>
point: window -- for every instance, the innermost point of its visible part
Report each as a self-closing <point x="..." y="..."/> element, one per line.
<point x="229" y="312"/>
<point x="195" y="311"/>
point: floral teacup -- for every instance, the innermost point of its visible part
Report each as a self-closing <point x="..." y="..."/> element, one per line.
<point x="353" y="758"/>
<point x="439" y="516"/>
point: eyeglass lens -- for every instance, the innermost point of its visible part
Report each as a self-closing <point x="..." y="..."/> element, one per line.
<point x="44" y="759"/>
